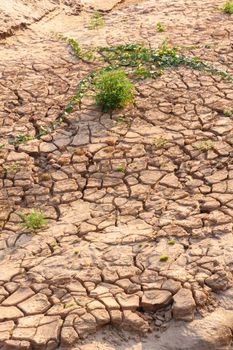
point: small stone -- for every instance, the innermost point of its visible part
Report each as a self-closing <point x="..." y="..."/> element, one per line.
<point x="155" y="299"/>
<point x="132" y="321"/>
<point x="128" y="302"/>
<point x="68" y="336"/>
<point x="184" y="305"/>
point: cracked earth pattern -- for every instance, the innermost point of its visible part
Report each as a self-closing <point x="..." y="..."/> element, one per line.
<point x="118" y="191"/>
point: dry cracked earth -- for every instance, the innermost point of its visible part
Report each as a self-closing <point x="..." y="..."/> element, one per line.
<point x="119" y="190"/>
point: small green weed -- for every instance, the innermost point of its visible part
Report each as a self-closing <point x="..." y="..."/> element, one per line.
<point x="68" y="305"/>
<point x="160" y="142"/>
<point x="164" y="258"/>
<point x="204" y="145"/>
<point x="113" y="90"/>
<point x="77" y="252"/>
<point x="120" y="168"/>
<point x="97" y="21"/>
<point x="34" y="220"/>
<point x="228" y="113"/>
<point x="172" y="242"/>
<point x="22" y="138"/>
<point x="12" y="168"/>
<point x="227" y="7"/>
<point x="160" y="27"/>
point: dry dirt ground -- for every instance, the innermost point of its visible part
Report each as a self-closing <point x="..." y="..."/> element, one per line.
<point x="96" y="265"/>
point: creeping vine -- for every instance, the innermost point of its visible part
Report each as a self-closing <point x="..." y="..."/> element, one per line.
<point x="138" y="61"/>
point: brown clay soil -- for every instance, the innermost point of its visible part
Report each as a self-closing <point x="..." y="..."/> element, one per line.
<point x="92" y="278"/>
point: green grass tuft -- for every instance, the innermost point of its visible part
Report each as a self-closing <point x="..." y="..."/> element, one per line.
<point x="33" y="221"/>
<point x="113" y="90"/>
<point x="160" y="27"/>
<point x="164" y="258"/>
<point x="228" y="7"/>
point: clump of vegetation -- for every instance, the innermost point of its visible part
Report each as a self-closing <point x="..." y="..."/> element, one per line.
<point x="97" y="21"/>
<point x="204" y="146"/>
<point x="228" y="113"/>
<point x="160" y="27"/>
<point x="137" y="61"/>
<point x="113" y="90"/>
<point x="228" y="7"/>
<point x="160" y="142"/>
<point x="164" y="258"/>
<point x="33" y="221"/>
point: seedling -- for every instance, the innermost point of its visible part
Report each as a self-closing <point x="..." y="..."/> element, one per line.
<point x="227" y="7"/>
<point x="160" y="27"/>
<point x="33" y="221"/>
<point x="120" y="168"/>
<point x="97" y="21"/>
<point x="164" y="258"/>
<point x="228" y="113"/>
<point x="171" y="242"/>
<point x="160" y="142"/>
<point x="113" y="90"/>
<point x="67" y="306"/>
<point x="12" y="168"/>
<point x="22" y="138"/>
<point x="204" y="145"/>
<point x="77" y="252"/>
<point x="45" y="177"/>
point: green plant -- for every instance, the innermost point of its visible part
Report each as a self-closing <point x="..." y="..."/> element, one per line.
<point x="113" y="90"/>
<point x="228" y="113"/>
<point x="227" y="7"/>
<point x="120" y="168"/>
<point x="22" y="138"/>
<point x="204" y="145"/>
<point x="68" y="305"/>
<point x="160" y="142"/>
<point x="97" y="21"/>
<point x="2" y="145"/>
<point x="160" y="27"/>
<point x="164" y="258"/>
<point x="77" y="252"/>
<point x="34" y="220"/>
<point x="172" y="242"/>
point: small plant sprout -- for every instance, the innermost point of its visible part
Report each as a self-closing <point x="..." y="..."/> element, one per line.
<point x="227" y="7"/>
<point x="172" y="242"/>
<point x="160" y="27"/>
<point x="120" y="168"/>
<point x="164" y="258"/>
<point x="33" y="221"/>
<point x="97" y="21"/>
<point x="228" y="113"/>
<point x="160" y="142"/>
<point x="204" y="146"/>
<point x="113" y="90"/>
<point x="77" y="252"/>
<point x="22" y="138"/>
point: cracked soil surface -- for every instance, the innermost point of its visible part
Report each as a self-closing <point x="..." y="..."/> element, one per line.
<point x="119" y="191"/>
